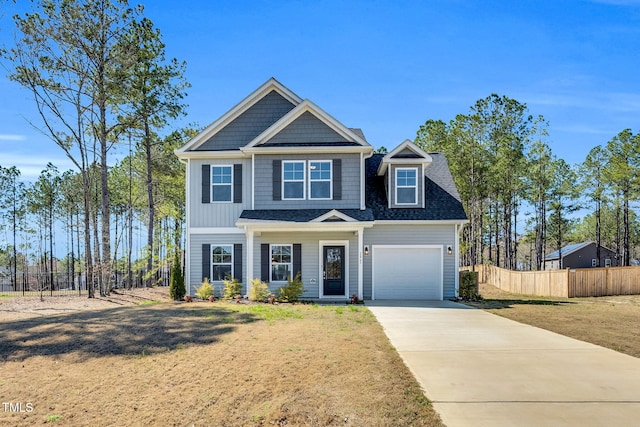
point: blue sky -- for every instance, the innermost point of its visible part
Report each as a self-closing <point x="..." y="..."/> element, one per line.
<point x="388" y="66"/>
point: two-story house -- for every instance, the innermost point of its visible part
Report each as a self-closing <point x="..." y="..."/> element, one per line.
<point x="277" y="186"/>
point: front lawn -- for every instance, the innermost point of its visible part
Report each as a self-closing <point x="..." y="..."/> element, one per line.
<point x="610" y="322"/>
<point x="207" y="364"/>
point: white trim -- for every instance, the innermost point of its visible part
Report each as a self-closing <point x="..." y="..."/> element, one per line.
<point x="456" y="247"/>
<point x="271" y="245"/>
<point x="373" y="264"/>
<point x="395" y="185"/>
<point x="307" y="150"/>
<point x="406" y="144"/>
<point x="423" y="193"/>
<point x="249" y="237"/>
<point x="309" y="181"/>
<point x="248" y="102"/>
<point x="304" y="180"/>
<point x="200" y="155"/>
<point x="421" y="222"/>
<point x="362" y="178"/>
<point x="187" y="249"/>
<point x="211" y="184"/>
<point x="304" y="107"/>
<point x="360" y="264"/>
<point x="332" y="213"/>
<point x="214" y="230"/>
<point x="321" y="245"/>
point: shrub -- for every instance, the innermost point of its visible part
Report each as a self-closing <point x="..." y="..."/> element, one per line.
<point x="205" y="290"/>
<point x="177" y="290"/>
<point x="259" y="290"/>
<point x="468" y="289"/>
<point x="292" y="291"/>
<point x="232" y="287"/>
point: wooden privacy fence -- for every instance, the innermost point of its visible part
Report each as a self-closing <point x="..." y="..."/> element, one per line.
<point x="579" y="282"/>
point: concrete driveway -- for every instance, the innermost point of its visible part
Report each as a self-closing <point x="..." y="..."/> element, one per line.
<point x="480" y="369"/>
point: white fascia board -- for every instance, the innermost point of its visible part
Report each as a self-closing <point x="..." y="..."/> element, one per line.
<point x="422" y="222"/>
<point x="336" y="213"/>
<point x="303" y="107"/>
<point x="265" y="226"/>
<point x="307" y="150"/>
<point x="215" y="230"/>
<point x="238" y="109"/>
<point x="225" y="154"/>
<point x="406" y="144"/>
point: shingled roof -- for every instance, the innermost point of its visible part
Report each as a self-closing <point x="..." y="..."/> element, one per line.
<point x="442" y="198"/>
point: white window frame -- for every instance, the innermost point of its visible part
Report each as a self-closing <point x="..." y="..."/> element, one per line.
<point x="415" y="187"/>
<point x="330" y="180"/>
<point x="607" y="262"/>
<point x="213" y="246"/>
<point x="594" y="262"/>
<point x="220" y="185"/>
<point x="304" y="181"/>
<point x="290" y="263"/>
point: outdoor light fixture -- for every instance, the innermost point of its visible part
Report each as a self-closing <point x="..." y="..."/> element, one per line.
<point x="366" y="250"/>
<point x="449" y="250"/>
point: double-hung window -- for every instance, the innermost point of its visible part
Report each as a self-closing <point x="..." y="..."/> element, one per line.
<point x="221" y="183"/>
<point x="293" y="174"/>
<point x="320" y="180"/>
<point x="406" y="186"/>
<point x="281" y="262"/>
<point x="221" y="262"/>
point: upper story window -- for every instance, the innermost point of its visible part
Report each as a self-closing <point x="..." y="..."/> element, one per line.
<point x="221" y="183"/>
<point x="293" y="178"/>
<point x="406" y="186"/>
<point x="320" y="180"/>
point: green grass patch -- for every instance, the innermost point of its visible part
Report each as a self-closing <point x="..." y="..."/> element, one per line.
<point x="149" y="302"/>
<point x="269" y="312"/>
<point x="52" y="418"/>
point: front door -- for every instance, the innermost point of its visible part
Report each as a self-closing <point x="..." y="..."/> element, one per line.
<point x="333" y="270"/>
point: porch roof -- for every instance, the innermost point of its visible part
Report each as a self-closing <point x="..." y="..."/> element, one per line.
<point x="303" y="215"/>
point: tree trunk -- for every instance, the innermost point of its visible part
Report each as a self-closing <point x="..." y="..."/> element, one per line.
<point x="151" y="204"/>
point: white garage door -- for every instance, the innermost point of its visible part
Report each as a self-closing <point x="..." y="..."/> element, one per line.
<point x="407" y="272"/>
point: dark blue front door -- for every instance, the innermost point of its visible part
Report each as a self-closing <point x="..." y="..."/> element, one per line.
<point x="333" y="270"/>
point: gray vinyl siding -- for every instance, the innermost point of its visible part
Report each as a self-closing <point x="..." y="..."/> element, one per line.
<point x="249" y="124"/>
<point x="306" y="128"/>
<point x="216" y="214"/>
<point x="350" y="197"/>
<point x="406" y="153"/>
<point x="392" y="187"/>
<point x="310" y="257"/>
<point x="406" y="234"/>
<point x="195" y="258"/>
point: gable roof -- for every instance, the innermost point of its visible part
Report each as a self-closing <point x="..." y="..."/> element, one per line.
<point x="270" y="87"/>
<point x="442" y="198"/>
<point x="307" y="107"/>
<point x="406" y="152"/>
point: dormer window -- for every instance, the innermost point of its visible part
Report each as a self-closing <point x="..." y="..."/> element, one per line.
<point x="406" y="186"/>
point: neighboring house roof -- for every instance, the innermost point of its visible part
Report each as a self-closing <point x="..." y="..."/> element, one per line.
<point x="567" y="250"/>
<point x="442" y="199"/>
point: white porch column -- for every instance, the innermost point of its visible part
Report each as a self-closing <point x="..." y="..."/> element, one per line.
<point x="249" y="233"/>
<point x="360" y="263"/>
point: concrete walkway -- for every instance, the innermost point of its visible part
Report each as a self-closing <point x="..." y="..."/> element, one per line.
<point x="479" y="369"/>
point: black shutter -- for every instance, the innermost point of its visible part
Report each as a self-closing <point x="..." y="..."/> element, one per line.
<point x="265" y="262"/>
<point x="237" y="262"/>
<point x="206" y="184"/>
<point x="206" y="261"/>
<point x="277" y="179"/>
<point x="337" y="179"/>
<point x="237" y="183"/>
<point x="297" y="260"/>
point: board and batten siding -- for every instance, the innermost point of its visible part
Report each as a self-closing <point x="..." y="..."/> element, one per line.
<point x="350" y="187"/>
<point x="249" y="124"/>
<point x="408" y="234"/>
<point x="216" y="214"/>
<point x="195" y="258"/>
<point x="310" y="251"/>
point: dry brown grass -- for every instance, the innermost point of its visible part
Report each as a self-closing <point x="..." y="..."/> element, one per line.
<point x="610" y="322"/>
<point x="218" y="364"/>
